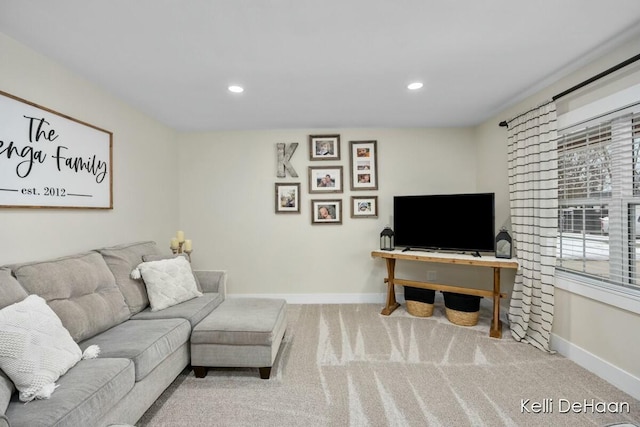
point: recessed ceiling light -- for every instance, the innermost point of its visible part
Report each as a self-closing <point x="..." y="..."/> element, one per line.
<point x="236" y="89"/>
<point x="414" y="86"/>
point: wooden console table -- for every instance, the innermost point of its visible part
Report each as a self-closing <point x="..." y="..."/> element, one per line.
<point x="442" y="258"/>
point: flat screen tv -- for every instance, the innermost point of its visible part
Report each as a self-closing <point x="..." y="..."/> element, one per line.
<point x="458" y="222"/>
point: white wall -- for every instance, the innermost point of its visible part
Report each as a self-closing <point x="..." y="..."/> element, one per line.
<point x="144" y="167"/>
<point x="227" y="207"/>
<point x="598" y="331"/>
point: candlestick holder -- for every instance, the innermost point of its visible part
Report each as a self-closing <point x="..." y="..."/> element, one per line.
<point x="180" y="250"/>
<point x="178" y="247"/>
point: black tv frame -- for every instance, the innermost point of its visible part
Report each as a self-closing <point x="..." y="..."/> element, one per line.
<point x="466" y="222"/>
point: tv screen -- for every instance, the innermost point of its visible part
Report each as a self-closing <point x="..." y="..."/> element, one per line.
<point x="463" y="222"/>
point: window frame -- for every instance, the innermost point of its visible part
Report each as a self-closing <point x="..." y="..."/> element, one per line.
<point x="623" y="296"/>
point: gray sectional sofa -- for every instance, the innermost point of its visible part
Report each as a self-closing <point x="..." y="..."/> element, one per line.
<point x="142" y="351"/>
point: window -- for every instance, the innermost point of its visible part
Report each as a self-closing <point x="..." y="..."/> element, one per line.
<point x="599" y="201"/>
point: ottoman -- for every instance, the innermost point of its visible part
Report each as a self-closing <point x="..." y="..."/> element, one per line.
<point x="239" y="333"/>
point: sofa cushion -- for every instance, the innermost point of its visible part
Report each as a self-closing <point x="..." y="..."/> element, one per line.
<point x="146" y="343"/>
<point x="80" y="289"/>
<point x="6" y="390"/>
<point x="121" y="260"/>
<point x="10" y="290"/>
<point x="168" y="282"/>
<point x="193" y="310"/>
<point x="35" y="349"/>
<point x="10" y="293"/>
<point x="157" y="257"/>
<point x="86" y="394"/>
<point x="243" y="321"/>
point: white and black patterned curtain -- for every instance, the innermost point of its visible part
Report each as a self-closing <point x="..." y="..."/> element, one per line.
<point x="533" y="190"/>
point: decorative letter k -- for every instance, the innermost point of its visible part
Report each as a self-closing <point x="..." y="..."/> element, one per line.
<point x="284" y="155"/>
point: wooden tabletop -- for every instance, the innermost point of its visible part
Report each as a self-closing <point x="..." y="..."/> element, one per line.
<point x="448" y="258"/>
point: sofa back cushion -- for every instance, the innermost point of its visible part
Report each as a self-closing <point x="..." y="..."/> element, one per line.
<point x="10" y="290"/>
<point x="6" y="390"/>
<point x="122" y="260"/>
<point x="80" y="289"/>
<point x="10" y="293"/>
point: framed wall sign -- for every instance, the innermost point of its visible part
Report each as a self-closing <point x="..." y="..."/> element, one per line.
<point x="288" y="197"/>
<point x="49" y="160"/>
<point x="324" y="147"/>
<point x="364" y="165"/>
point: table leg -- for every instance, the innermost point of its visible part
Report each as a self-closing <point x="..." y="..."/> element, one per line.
<point x="392" y="304"/>
<point x="496" y="324"/>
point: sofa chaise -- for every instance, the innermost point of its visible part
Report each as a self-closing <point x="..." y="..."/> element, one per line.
<point x="141" y="351"/>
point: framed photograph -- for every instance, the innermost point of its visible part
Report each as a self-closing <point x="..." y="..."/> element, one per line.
<point x="325" y="180"/>
<point x="364" y="207"/>
<point x="324" y="147"/>
<point x="364" y="165"/>
<point x="326" y="212"/>
<point x="288" y="197"/>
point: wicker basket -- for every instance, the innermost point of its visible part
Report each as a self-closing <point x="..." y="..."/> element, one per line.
<point x="462" y="309"/>
<point x="462" y="318"/>
<point x="419" y="309"/>
<point x="419" y="301"/>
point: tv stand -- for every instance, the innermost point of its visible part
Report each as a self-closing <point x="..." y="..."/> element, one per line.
<point x="459" y="259"/>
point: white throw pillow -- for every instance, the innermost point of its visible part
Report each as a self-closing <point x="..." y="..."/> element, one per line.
<point x="35" y="349"/>
<point x="168" y="281"/>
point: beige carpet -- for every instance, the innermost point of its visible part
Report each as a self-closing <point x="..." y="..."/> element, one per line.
<point x="347" y="365"/>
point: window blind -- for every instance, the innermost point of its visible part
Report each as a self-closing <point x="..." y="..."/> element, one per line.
<point x="599" y="199"/>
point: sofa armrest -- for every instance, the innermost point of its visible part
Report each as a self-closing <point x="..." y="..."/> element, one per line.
<point x="212" y="281"/>
<point x="4" y="422"/>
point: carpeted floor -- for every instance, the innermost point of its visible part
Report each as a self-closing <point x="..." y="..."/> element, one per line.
<point x="347" y="365"/>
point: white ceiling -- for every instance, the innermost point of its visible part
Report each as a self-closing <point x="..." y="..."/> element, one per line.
<point x="320" y="64"/>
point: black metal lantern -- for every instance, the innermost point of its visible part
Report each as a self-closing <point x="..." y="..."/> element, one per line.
<point x="503" y="244"/>
<point x="387" y="241"/>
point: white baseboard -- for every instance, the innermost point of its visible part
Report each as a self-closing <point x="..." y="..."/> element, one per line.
<point x="327" y="298"/>
<point x="605" y="370"/>
<point x="322" y="298"/>
<point x="351" y="299"/>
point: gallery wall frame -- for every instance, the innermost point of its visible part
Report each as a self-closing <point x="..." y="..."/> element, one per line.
<point x="364" y="206"/>
<point x="324" y="147"/>
<point x="363" y="157"/>
<point x="287" y="197"/>
<point x="325" y="179"/>
<point x="51" y="160"/>
<point x="326" y="211"/>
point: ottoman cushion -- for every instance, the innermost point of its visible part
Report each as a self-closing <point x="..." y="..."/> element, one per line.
<point x="246" y="321"/>
<point x="241" y="333"/>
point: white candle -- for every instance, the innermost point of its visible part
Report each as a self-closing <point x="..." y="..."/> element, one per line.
<point x="174" y="243"/>
<point x="187" y="245"/>
<point x="180" y="236"/>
